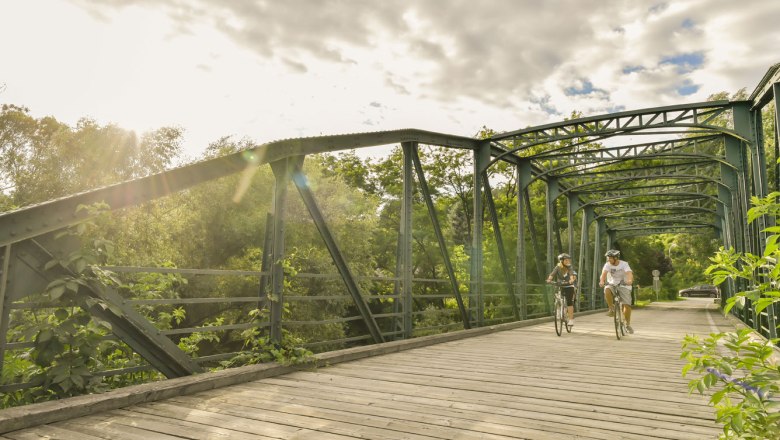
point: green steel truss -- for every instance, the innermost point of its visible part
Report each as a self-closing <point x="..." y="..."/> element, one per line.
<point x="689" y="175"/>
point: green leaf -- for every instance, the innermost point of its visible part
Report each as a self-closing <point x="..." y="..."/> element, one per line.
<point x="61" y="314"/>
<point x="700" y="386"/>
<point x="78" y="381"/>
<point x="44" y="336"/>
<point x="57" y="292"/>
<point x="717" y="397"/>
<point x="737" y="422"/>
<point x="80" y="265"/>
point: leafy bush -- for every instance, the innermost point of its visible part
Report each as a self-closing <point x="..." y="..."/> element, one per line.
<point x="746" y="402"/>
<point x="739" y="365"/>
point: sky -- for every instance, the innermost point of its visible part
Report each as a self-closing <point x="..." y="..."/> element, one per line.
<point x="271" y="70"/>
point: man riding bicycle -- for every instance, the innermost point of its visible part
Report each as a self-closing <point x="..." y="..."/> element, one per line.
<point x="617" y="278"/>
<point x="565" y="275"/>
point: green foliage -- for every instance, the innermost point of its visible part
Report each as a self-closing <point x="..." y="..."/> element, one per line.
<point x="69" y="343"/>
<point x="746" y="378"/>
<point x="747" y="405"/>
<point x="191" y="344"/>
<point x="41" y="159"/>
<point x="260" y="349"/>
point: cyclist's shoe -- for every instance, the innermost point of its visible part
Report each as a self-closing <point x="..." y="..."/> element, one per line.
<point x="571" y="322"/>
<point x="611" y="313"/>
<point x="629" y="329"/>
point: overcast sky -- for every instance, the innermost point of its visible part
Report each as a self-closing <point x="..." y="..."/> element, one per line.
<point x="268" y="70"/>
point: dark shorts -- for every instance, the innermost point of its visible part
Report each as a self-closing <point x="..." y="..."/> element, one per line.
<point x="568" y="293"/>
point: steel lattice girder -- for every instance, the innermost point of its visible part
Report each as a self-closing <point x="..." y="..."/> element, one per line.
<point x="657" y="120"/>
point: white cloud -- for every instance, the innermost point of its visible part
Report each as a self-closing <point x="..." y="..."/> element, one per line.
<point x="270" y="70"/>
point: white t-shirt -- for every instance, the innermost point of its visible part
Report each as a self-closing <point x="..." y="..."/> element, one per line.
<point x="616" y="274"/>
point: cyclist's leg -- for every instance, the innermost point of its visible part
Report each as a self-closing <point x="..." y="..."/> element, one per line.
<point x="626" y="297"/>
<point x="569" y="295"/>
<point x="609" y="298"/>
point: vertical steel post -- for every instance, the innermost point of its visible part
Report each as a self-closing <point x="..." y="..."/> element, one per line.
<point x="596" y="259"/>
<point x="776" y="92"/>
<point x="439" y="236"/>
<point x="398" y="320"/>
<point x="552" y="193"/>
<point x="406" y="239"/>
<point x="572" y="206"/>
<point x="524" y="175"/>
<point x="481" y="161"/>
<point x="538" y="257"/>
<point x="747" y="124"/>
<point x="265" y="263"/>
<point x="283" y="173"/>
<point x="582" y="263"/>
<point x="5" y="312"/>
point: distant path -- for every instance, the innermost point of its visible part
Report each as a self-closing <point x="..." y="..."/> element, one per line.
<point x="521" y="383"/>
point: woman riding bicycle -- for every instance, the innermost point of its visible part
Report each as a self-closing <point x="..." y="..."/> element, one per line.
<point x="565" y="276"/>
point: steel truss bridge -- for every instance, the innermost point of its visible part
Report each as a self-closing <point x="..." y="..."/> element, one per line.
<point x="640" y="172"/>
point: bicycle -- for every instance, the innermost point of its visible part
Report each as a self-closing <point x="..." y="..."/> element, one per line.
<point x="560" y="313"/>
<point x="620" y="319"/>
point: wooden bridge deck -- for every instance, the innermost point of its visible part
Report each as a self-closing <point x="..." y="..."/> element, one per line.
<point x="520" y="383"/>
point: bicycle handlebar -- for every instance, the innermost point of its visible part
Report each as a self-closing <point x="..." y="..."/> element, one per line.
<point x="559" y="283"/>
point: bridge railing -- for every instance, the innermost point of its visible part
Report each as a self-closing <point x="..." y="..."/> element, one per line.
<point x="209" y="328"/>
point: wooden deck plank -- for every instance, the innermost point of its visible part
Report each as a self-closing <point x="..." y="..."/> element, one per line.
<point x="232" y="422"/>
<point x="333" y="397"/>
<point x="521" y="383"/>
<point x="180" y="428"/>
<point x="49" y="432"/>
<point x="489" y="422"/>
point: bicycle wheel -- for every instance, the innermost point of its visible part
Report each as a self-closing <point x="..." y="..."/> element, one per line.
<point x="618" y="320"/>
<point x="558" y="317"/>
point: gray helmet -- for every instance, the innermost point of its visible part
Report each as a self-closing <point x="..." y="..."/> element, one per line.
<point x="563" y="257"/>
<point x="612" y="253"/>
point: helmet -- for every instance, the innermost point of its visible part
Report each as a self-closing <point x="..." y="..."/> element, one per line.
<point x="612" y="253"/>
<point x="563" y="257"/>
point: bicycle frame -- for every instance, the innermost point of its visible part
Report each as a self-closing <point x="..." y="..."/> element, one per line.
<point x="560" y="312"/>
<point x="620" y="319"/>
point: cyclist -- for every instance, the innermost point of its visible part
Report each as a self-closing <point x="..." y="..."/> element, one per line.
<point x="617" y="275"/>
<point x="564" y="274"/>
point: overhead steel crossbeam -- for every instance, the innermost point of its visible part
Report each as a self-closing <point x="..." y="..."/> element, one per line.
<point x="680" y="217"/>
<point x="618" y="186"/>
<point x="662" y="171"/>
<point x="564" y="167"/>
<point x="659" y="217"/>
<point x="638" y="190"/>
<point x="635" y="150"/>
<point x="763" y="93"/>
<point x="644" y="231"/>
<point x="654" y="120"/>
<point x="650" y="199"/>
<point x="706" y="203"/>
